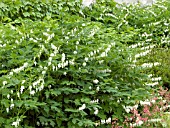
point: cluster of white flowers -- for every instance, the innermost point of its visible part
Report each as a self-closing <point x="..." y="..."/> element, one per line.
<point x="150" y="65"/>
<point x="16" y="123"/>
<point x="82" y="107"/>
<point x="129" y="108"/>
<point x="104" y="54"/>
<point x="104" y="71"/>
<point x="146" y="35"/>
<point x="49" y="36"/>
<point x="139" y="123"/>
<point x="152" y="84"/>
<point x="154" y="120"/>
<point x="94" y="101"/>
<point x="106" y="121"/>
<point x="87" y="3"/>
<point x="111" y="15"/>
<point x="142" y="54"/>
<point x="2" y="45"/>
<point x="148" y="47"/>
<point x="34" y="40"/>
<point x="35" y="86"/>
<point x="146" y="102"/>
<point x="156" y="78"/>
<point x="17" y="70"/>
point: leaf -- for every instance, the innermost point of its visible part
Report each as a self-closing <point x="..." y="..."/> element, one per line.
<point x="71" y="110"/>
<point x="26" y="14"/>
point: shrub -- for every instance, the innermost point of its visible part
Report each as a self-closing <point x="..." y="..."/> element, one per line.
<point x="67" y="66"/>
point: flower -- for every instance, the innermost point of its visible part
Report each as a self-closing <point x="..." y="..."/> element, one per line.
<point x="23" y="81"/>
<point x="12" y="106"/>
<point x="8" y="96"/>
<point x="82" y="107"/>
<point x="95" y="81"/>
<point x="96" y="111"/>
<point x="108" y="120"/>
<point x="97" y="89"/>
<point x="87" y="3"/>
<point x="16" y="123"/>
<point x="7" y="110"/>
<point x="32" y="92"/>
<point x="63" y="57"/>
<point x="75" y="52"/>
<point x="86" y="59"/>
<point x="84" y="64"/>
<point x="4" y="82"/>
<point x="65" y="73"/>
<point x="22" y="88"/>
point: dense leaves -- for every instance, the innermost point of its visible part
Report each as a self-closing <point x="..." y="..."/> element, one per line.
<point x="65" y="65"/>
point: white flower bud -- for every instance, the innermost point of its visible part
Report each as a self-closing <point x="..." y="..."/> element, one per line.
<point x="95" y="81"/>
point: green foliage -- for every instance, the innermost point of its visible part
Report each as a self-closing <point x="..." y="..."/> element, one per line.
<point x="64" y="65"/>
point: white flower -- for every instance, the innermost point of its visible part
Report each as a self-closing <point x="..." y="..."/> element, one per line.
<point x="32" y="92"/>
<point x="83" y="24"/>
<point x="50" y="58"/>
<point x="152" y="84"/>
<point x="25" y="64"/>
<point x="145" y="103"/>
<point x="11" y="91"/>
<point x="16" y="123"/>
<point x="18" y="94"/>
<point x="97" y="89"/>
<point x="52" y="54"/>
<point x="82" y="107"/>
<point x="127" y="110"/>
<point x="95" y="81"/>
<point x="12" y="106"/>
<point x="77" y="42"/>
<point x="4" y="82"/>
<point x="23" y="81"/>
<point x="84" y="64"/>
<point x="59" y="65"/>
<point x="164" y="101"/>
<point x="8" y="96"/>
<point x="103" y="54"/>
<point x="75" y="52"/>
<point x="91" y="53"/>
<point x="65" y="73"/>
<point x="156" y="79"/>
<point x="63" y="57"/>
<point x="155" y="120"/>
<point x="86" y="59"/>
<point x="140" y="123"/>
<point x="7" y="110"/>
<point x="11" y="73"/>
<point x="38" y="123"/>
<point x="49" y="63"/>
<point x="22" y="88"/>
<point x="108" y="120"/>
<point x="53" y="67"/>
<point x="96" y="111"/>
<point x="43" y="72"/>
<point x="87" y="3"/>
<point x="53" y="47"/>
<point x="103" y="121"/>
<point x="90" y="87"/>
<point x="153" y="101"/>
<point x="49" y="86"/>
